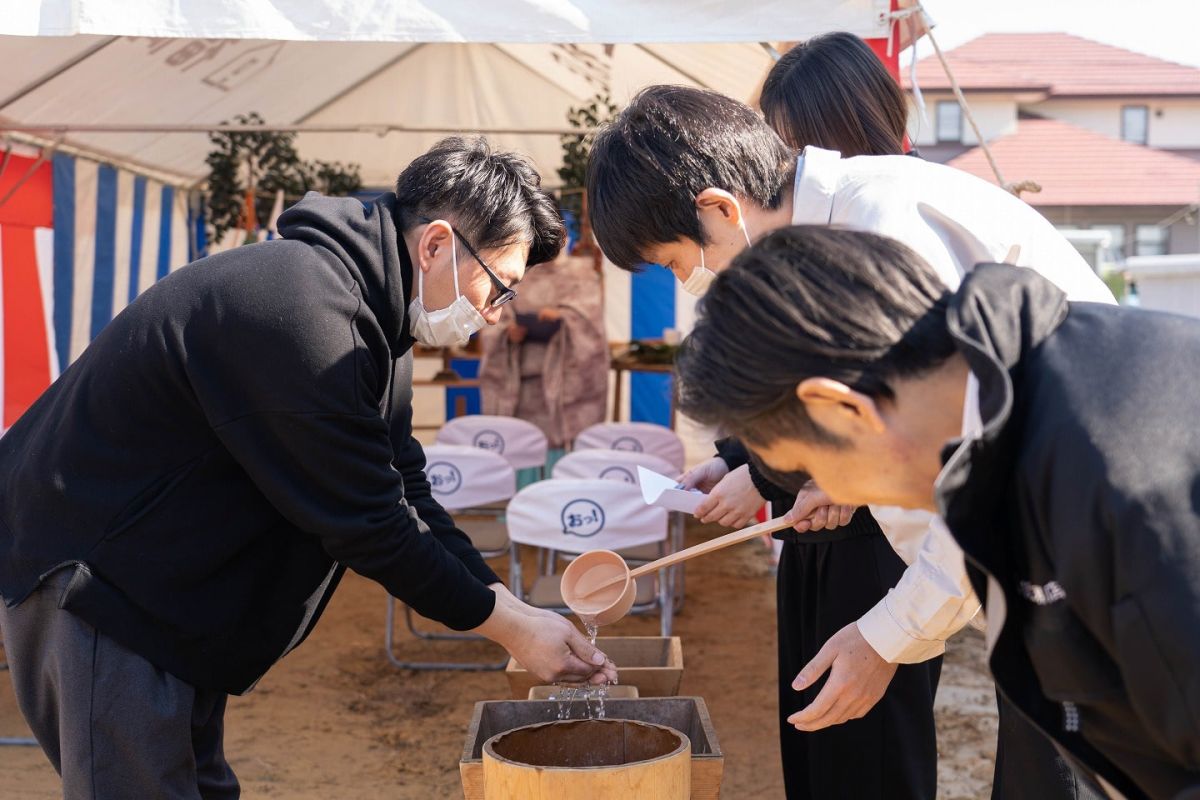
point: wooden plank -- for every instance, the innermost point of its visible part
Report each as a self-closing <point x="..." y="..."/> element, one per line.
<point x="472" y="779"/>
<point x="707" y="773"/>
<point x="651" y="663"/>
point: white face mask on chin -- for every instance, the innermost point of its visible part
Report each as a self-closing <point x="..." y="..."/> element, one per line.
<point x="451" y="326"/>
<point x="702" y="277"/>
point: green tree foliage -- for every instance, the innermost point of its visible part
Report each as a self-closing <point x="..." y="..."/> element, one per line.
<point x="576" y="147"/>
<point x="263" y="163"/>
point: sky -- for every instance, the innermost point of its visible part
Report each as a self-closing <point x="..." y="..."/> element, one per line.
<point x="1168" y="29"/>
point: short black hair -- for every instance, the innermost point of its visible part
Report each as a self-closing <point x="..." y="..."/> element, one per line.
<point x="803" y="302"/>
<point x="671" y="143"/>
<point x="494" y="199"/>
<point x="833" y="92"/>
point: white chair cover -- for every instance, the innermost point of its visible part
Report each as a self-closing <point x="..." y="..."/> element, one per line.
<point x="467" y="477"/>
<point x="575" y="516"/>
<point x="620" y="465"/>
<point x="638" y="437"/>
<point x="521" y="443"/>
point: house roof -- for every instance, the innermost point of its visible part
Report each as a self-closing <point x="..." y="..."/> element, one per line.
<point x="1077" y="167"/>
<point x="1058" y="64"/>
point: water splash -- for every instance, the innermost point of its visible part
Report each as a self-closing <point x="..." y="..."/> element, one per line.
<point x="593" y="696"/>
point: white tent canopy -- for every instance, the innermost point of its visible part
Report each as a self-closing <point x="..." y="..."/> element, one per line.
<point x="409" y="76"/>
<point x="560" y="21"/>
<point x="135" y="85"/>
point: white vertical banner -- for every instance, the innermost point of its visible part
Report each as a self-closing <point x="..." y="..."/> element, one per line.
<point x="618" y="315"/>
<point x="148" y="268"/>
<point x="179" y="231"/>
<point x="43" y="240"/>
<point x="123" y="241"/>
<point x="86" y="185"/>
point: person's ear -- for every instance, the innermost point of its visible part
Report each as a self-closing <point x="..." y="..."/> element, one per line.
<point x="435" y="241"/>
<point x="837" y="408"/>
<point x="713" y="200"/>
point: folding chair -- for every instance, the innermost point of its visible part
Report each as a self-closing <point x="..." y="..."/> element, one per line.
<point x="472" y="480"/>
<point x="622" y="465"/>
<point x="521" y="443"/>
<point x="575" y="516"/>
<point x="618" y="465"/>
<point x="637" y="437"/>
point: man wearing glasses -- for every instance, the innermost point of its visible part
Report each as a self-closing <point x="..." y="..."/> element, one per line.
<point x="176" y="510"/>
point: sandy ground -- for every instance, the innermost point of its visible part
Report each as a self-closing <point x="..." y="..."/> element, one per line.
<point x="335" y="720"/>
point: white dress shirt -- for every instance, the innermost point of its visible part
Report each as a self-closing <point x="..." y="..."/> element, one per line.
<point x="954" y="221"/>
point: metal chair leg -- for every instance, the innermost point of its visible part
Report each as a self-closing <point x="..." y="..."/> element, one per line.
<point x="515" y="579"/>
<point x="435" y="636"/>
<point x="666" y="601"/>
<point x="678" y="524"/>
<point x="389" y="636"/>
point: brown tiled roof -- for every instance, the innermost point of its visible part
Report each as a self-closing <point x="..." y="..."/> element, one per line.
<point x="1057" y="63"/>
<point x="1077" y="167"/>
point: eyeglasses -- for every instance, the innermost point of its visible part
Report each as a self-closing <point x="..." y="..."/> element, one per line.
<point x="504" y="292"/>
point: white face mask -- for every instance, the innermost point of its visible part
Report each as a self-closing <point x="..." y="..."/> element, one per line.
<point x="702" y="277"/>
<point x="451" y="326"/>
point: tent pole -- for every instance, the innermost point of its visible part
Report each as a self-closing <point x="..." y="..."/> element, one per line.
<point x="381" y="129"/>
<point x="132" y="165"/>
<point x="41" y="159"/>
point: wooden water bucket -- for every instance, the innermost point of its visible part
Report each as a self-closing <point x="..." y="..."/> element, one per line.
<point x="588" y="759"/>
<point x="686" y="714"/>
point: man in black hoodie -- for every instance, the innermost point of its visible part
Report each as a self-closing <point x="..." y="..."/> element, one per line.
<point x="176" y="510"/>
<point x="1070" y="480"/>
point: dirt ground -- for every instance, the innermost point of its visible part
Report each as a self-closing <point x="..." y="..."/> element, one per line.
<point x="335" y="720"/>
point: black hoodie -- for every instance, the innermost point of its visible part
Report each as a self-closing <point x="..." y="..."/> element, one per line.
<point x="1077" y="508"/>
<point x="217" y="456"/>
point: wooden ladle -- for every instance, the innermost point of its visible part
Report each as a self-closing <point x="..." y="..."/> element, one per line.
<point x="600" y="587"/>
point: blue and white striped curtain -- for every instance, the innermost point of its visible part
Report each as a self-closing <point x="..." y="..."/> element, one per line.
<point x="115" y="234"/>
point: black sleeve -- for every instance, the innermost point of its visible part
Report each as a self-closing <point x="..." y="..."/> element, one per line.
<point x="735" y="454"/>
<point x="297" y="405"/>
<point x="732" y="452"/>
<point x="1152" y="608"/>
<point x="1124" y="549"/>
<point x="331" y="475"/>
<point x="781" y="499"/>
<point x="409" y="460"/>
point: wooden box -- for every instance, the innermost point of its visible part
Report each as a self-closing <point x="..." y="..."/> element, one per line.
<point x="621" y="692"/>
<point x="654" y="664"/>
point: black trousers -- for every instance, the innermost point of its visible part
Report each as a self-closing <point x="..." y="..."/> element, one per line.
<point x="826" y="581"/>
<point x="113" y="725"/>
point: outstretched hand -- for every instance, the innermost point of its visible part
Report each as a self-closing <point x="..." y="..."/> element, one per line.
<point x="545" y="643"/>
<point x="858" y="677"/>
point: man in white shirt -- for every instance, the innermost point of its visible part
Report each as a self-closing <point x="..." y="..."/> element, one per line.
<point x="685" y="178"/>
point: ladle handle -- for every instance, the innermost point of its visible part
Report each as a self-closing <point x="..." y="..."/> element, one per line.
<point x="744" y="535"/>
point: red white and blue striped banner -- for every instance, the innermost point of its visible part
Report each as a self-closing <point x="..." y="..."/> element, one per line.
<point x="79" y="240"/>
